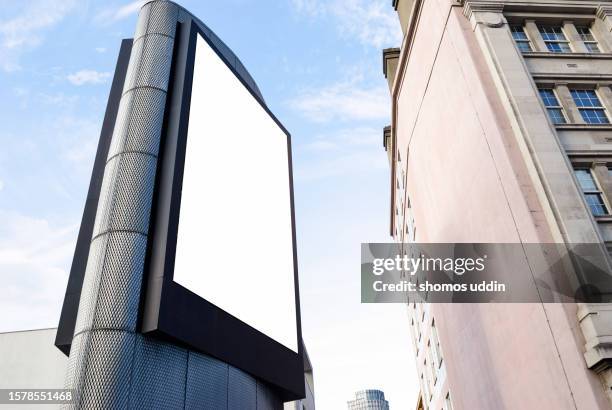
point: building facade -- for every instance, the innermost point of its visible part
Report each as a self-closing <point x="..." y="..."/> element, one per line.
<point x="29" y="360"/>
<point x="369" y="400"/>
<point x="501" y="133"/>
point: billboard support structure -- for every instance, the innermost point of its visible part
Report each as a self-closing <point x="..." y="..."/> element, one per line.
<point x="112" y="363"/>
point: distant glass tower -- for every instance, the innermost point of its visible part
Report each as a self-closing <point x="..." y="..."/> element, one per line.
<point x="369" y="400"/>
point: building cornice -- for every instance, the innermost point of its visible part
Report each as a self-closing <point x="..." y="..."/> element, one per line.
<point x="389" y="54"/>
<point x="474" y="6"/>
<point x="604" y="11"/>
<point x="543" y="6"/>
<point x="386" y="137"/>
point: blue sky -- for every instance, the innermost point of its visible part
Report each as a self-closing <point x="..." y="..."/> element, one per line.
<point x="318" y="65"/>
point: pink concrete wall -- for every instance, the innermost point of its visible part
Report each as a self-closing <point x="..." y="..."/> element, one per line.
<point x="469" y="182"/>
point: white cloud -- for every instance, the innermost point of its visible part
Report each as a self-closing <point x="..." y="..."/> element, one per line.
<point x="111" y="15"/>
<point x="26" y="30"/>
<point x="88" y="77"/>
<point x="311" y="7"/>
<point x="78" y="147"/>
<point x="343" y="101"/>
<point x="346" y="163"/>
<point x="1" y="185"/>
<point x="345" y="153"/>
<point x="128" y="9"/>
<point x="100" y="50"/>
<point x="58" y="99"/>
<point x="367" y="137"/>
<point x="34" y="261"/>
<point x="373" y="22"/>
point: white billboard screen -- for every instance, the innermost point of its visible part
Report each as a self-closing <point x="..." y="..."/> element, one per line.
<point x="234" y="243"/>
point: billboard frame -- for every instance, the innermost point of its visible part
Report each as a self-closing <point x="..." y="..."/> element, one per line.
<point x="169" y="310"/>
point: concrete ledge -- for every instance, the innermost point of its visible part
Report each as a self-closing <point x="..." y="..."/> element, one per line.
<point x="403" y="9"/>
<point x="549" y="54"/>
<point x="583" y="126"/>
<point x="387" y="137"/>
<point x="596" y="324"/>
<point x="390" y="63"/>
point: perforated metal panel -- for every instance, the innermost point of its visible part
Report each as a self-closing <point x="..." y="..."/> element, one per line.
<point x="207" y="380"/>
<point x="266" y="399"/>
<point x="159" y="375"/>
<point x="242" y="391"/>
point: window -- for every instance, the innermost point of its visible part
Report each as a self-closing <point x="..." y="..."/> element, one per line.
<point x="425" y="388"/>
<point x="427" y="371"/>
<point x="587" y="38"/>
<point x="521" y="39"/>
<point x="435" y="344"/>
<point x="591" y="192"/>
<point x="555" y="111"/>
<point x="555" y="39"/>
<point x="414" y="332"/>
<point x="448" y="404"/>
<point x="590" y="107"/>
<point x="432" y="362"/>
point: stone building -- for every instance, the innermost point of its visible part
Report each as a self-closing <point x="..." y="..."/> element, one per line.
<point x="501" y="133"/>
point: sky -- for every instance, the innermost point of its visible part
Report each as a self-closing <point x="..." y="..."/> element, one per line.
<point x="318" y="64"/>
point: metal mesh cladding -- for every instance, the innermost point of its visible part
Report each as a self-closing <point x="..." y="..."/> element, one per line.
<point x="139" y="122"/>
<point x="150" y="62"/>
<point x="126" y="195"/>
<point x="76" y="367"/>
<point x="110" y="295"/>
<point x="143" y="21"/>
<point x="105" y="359"/>
<point x="89" y="291"/>
<point x="162" y="18"/>
<point x="119" y="294"/>
<point x="207" y="380"/>
<point x="159" y="375"/>
<point x="158" y="17"/>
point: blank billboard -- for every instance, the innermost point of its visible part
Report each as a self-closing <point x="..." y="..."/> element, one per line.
<point x="234" y="243"/>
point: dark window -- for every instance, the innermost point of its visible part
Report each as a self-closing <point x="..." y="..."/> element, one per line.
<point x="555" y="39"/>
<point x="590" y="107"/>
<point x="555" y="110"/>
